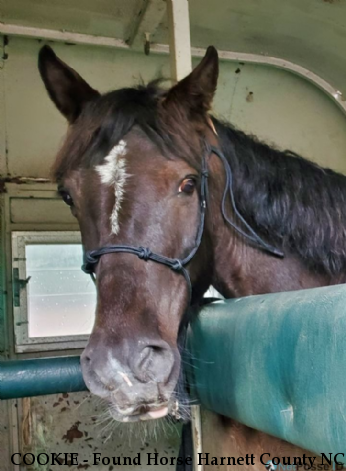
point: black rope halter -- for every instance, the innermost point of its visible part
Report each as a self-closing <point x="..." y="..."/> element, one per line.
<point x="178" y="265"/>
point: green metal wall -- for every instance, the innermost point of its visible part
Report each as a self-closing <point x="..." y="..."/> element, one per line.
<point x="310" y="33"/>
<point x="273" y="104"/>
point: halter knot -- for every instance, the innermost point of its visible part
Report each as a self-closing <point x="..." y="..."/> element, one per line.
<point x="205" y="173"/>
<point x="144" y="253"/>
<point x="177" y="265"/>
<point x="89" y="261"/>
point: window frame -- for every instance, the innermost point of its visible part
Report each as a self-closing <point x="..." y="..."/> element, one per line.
<point x="22" y="342"/>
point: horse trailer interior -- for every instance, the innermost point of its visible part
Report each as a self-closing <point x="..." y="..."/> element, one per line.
<point x="282" y="78"/>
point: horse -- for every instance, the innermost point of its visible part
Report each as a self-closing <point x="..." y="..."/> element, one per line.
<point x="171" y="200"/>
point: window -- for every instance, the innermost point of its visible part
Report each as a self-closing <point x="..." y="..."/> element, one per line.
<point x="53" y="300"/>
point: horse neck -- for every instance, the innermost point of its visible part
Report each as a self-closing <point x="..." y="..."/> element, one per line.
<point x="240" y="269"/>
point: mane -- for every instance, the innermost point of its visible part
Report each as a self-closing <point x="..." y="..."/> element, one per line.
<point x="293" y="203"/>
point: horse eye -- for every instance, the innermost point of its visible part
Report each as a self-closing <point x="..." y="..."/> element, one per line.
<point x="66" y="197"/>
<point x="187" y="186"/>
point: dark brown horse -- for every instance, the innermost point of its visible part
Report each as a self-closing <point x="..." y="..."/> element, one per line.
<point x="133" y="169"/>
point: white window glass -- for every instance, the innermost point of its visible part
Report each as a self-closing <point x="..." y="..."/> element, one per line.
<point x="53" y="300"/>
<point x="61" y="298"/>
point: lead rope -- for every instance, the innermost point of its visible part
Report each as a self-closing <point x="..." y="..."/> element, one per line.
<point x="253" y="236"/>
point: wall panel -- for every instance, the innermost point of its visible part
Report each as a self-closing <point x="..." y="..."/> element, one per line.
<point x="276" y="105"/>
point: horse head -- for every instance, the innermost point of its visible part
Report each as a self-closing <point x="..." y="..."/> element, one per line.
<point x="131" y="170"/>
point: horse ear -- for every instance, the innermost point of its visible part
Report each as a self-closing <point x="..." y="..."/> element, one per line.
<point x="197" y="89"/>
<point x="64" y="85"/>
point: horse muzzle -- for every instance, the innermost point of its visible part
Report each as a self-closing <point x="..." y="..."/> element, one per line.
<point x="137" y="383"/>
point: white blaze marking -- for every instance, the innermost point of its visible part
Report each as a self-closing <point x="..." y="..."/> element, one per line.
<point x="115" y="367"/>
<point x="126" y="378"/>
<point x="113" y="172"/>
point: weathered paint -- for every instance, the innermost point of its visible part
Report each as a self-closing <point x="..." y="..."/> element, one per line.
<point x="34" y="127"/>
<point x="273" y="104"/>
<point x="40" y="210"/>
<point x="78" y="423"/>
<point x="284" y="109"/>
<point x="196" y="436"/>
<point x="309" y="33"/>
<point x="147" y="21"/>
<point x="105" y="17"/>
<point x="179" y="38"/>
<point x="4" y="437"/>
<point x="2" y="108"/>
<point x="3" y="324"/>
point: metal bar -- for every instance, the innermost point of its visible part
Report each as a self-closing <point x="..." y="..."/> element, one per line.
<point x="196" y="436"/>
<point x="147" y="22"/>
<point x="336" y="95"/>
<point x="179" y="38"/>
<point x="26" y="378"/>
<point x="65" y="36"/>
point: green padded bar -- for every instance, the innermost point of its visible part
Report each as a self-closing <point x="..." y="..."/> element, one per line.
<point x="26" y="378"/>
<point x="276" y="363"/>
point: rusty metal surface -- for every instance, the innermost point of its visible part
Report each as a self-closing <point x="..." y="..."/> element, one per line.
<point x="35" y="128"/>
<point x="4" y="438"/>
<point x="77" y="423"/>
<point x="297" y="114"/>
<point x="310" y="33"/>
<point x="103" y="17"/>
<point x="3" y="163"/>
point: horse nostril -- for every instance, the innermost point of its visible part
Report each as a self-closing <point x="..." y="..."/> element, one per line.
<point x="85" y="357"/>
<point x="85" y="360"/>
<point x="147" y="356"/>
<point x="154" y="362"/>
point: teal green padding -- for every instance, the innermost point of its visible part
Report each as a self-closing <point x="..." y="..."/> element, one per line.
<point x="40" y="376"/>
<point x="276" y="363"/>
